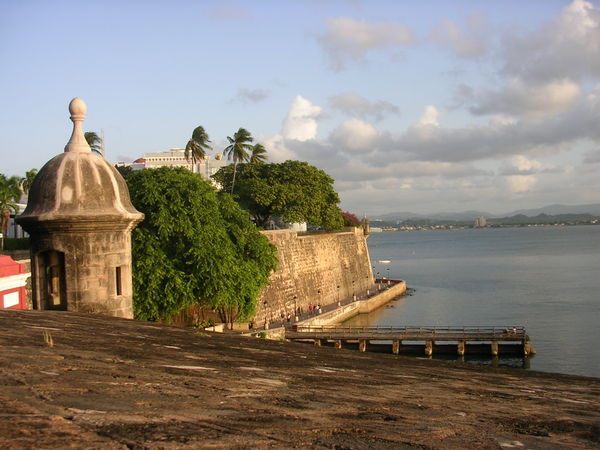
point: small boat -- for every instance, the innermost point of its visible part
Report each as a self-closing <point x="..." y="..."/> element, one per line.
<point x="384" y="261"/>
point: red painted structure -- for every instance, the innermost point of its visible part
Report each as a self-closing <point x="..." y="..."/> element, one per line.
<point x="12" y="284"/>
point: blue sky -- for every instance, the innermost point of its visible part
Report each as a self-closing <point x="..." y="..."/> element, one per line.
<point x="411" y="106"/>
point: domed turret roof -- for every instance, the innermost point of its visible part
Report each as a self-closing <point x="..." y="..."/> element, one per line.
<point x="79" y="185"/>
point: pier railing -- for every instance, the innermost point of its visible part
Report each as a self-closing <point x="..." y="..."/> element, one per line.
<point x="408" y="333"/>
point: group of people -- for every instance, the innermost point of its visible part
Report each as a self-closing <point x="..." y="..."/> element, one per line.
<point x="314" y="309"/>
<point x="287" y="317"/>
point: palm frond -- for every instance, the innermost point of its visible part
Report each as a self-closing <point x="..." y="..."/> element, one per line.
<point x="259" y="154"/>
<point x="94" y="141"/>
<point x="197" y="146"/>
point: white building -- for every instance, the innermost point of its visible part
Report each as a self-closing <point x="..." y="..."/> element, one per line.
<point x="480" y="222"/>
<point x="14" y="230"/>
<point x="175" y="157"/>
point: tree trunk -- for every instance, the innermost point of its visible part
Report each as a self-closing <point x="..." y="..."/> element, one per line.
<point x="234" y="170"/>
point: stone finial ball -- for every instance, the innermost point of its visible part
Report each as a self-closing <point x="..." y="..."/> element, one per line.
<point x="77" y="107"/>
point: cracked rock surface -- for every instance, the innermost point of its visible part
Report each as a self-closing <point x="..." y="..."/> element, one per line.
<point x="115" y="383"/>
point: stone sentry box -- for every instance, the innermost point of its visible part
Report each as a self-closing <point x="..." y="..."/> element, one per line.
<point x="80" y="217"/>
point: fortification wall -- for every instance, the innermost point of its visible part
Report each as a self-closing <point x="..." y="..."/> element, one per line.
<point x="314" y="269"/>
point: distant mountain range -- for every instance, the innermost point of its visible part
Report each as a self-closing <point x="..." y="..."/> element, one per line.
<point x="553" y="210"/>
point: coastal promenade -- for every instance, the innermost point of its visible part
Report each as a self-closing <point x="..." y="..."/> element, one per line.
<point x="116" y="383"/>
<point x="382" y="292"/>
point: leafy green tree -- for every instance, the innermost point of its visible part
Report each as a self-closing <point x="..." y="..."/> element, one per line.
<point x="9" y="196"/>
<point x="194" y="246"/>
<point x="27" y="180"/>
<point x="237" y="150"/>
<point x="94" y="141"/>
<point x="197" y="146"/>
<point x="259" y="154"/>
<point x="124" y="170"/>
<point x="293" y="191"/>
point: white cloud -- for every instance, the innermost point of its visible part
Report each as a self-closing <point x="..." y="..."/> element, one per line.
<point x="356" y="170"/>
<point x="530" y="135"/>
<point x="568" y="47"/>
<point x="301" y="121"/>
<point x="356" y="105"/>
<point x="348" y="39"/>
<point x="518" y="184"/>
<point x="519" y="98"/>
<point x="470" y="43"/>
<point x="355" y="136"/>
<point x="245" y="95"/>
<point x="521" y="165"/>
<point x="277" y="150"/>
<point x="524" y="164"/>
<point x="430" y="116"/>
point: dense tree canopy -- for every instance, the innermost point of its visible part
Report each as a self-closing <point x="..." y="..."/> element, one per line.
<point x="194" y="246"/>
<point x="293" y="191"/>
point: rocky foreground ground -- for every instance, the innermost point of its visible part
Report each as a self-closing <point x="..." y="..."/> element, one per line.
<point x="70" y="380"/>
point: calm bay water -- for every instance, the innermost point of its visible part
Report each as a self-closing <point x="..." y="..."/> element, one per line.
<point x="544" y="278"/>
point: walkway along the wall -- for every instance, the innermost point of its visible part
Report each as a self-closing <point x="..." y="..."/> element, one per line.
<point x="337" y="314"/>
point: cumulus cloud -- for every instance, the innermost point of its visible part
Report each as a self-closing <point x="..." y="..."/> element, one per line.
<point x="301" y="121"/>
<point x="347" y="39"/>
<point x="497" y="139"/>
<point x="245" y="95"/>
<point x="518" y="184"/>
<point x="568" y="47"/>
<point x="430" y="116"/>
<point x="519" y="98"/>
<point x="355" y="136"/>
<point x="468" y="43"/>
<point x="521" y="165"/>
<point x="358" y="106"/>
<point x="277" y="149"/>
<point x="357" y="170"/>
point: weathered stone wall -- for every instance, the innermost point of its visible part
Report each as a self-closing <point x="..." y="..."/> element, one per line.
<point x="314" y="269"/>
<point x="90" y="279"/>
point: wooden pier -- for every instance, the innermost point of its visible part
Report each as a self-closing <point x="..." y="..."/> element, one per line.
<point x="433" y="338"/>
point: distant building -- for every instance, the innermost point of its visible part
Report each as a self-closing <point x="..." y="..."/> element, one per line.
<point x="14" y="229"/>
<point x="277" y="224"/>
<point x="480" y="222"/>
<point x="175" y="157"/>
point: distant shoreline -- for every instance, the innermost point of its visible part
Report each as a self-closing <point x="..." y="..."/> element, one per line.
<point x="471" y="227"/>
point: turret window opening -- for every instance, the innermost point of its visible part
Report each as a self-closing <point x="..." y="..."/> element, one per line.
<point x="118" y="281"/>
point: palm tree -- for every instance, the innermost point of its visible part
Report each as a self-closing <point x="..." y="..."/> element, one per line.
<point x="197" y="145"/>
<point x="9" y="195"/>
<point x="94" y="141"/>
<point x="259" y="154"/>
<point x="238" y="148"/>
<point x="27" y="180"/>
